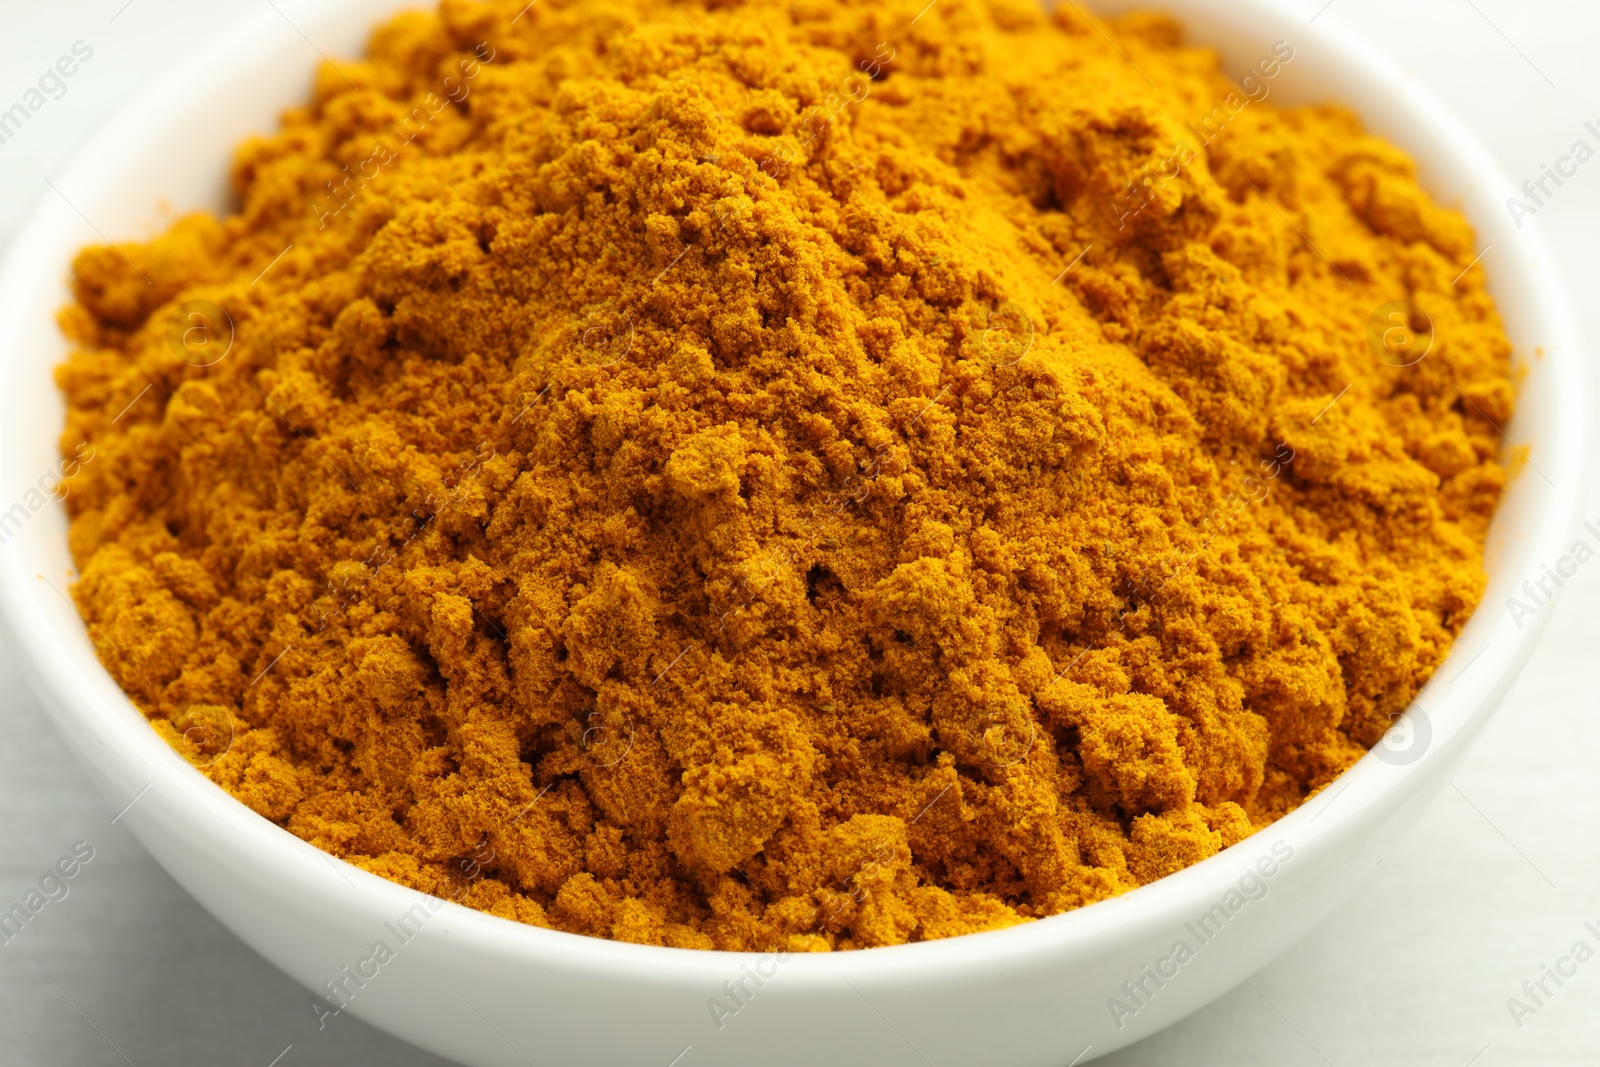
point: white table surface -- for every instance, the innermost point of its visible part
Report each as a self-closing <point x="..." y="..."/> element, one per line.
<point x="1496" y="879"/>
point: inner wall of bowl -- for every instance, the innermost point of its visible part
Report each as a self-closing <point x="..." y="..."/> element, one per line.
<point x="1242" y="36"/>
<point x="131" y="170"/>
<point x="180" y="153"/>
<point x="115" y="193"/>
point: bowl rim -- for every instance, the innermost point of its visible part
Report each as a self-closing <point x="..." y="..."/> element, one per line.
<point x="77" y="706"/>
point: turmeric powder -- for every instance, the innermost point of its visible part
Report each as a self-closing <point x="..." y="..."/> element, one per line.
<point x="759" y="474"/>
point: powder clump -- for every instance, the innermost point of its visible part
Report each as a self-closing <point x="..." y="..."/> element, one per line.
<point x="786" y="475"/>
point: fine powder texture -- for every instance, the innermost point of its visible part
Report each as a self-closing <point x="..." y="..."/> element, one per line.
<point x="772" y="474"/>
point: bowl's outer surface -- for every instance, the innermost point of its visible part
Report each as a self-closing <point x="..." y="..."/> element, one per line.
<point x="485" y="991"/>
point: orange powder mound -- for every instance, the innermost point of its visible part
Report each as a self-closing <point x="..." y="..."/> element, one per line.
<point x="777" y="474"/>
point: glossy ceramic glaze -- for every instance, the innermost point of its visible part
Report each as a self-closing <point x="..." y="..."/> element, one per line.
<point x="486" y="991"/>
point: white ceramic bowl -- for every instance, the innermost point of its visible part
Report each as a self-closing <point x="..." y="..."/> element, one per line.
<point x="487" y="991"/>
